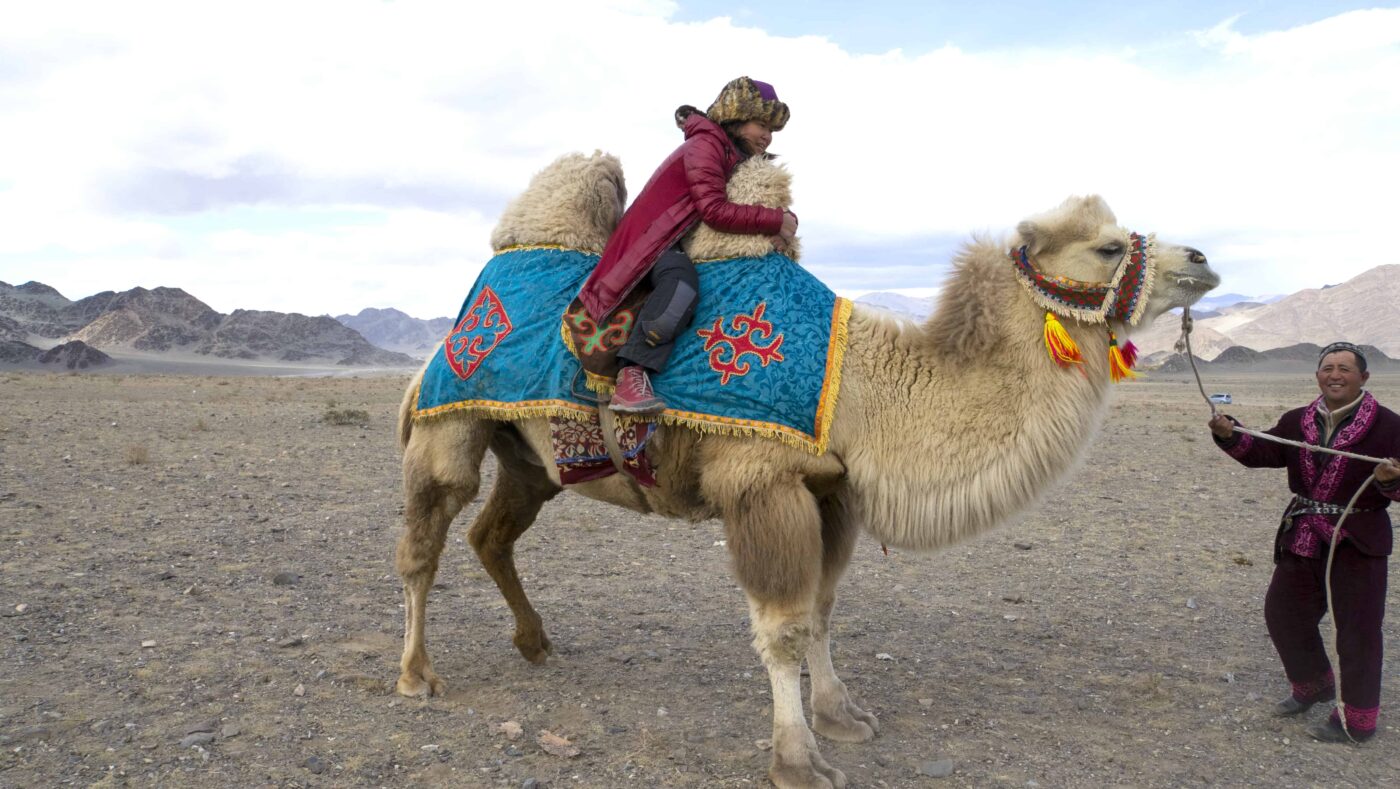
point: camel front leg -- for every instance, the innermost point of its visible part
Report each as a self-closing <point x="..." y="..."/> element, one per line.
<point x="775" y="540"/>
<point x="834" y="715"/>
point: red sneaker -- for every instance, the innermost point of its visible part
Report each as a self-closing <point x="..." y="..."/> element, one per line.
<point x="633" y="394"/>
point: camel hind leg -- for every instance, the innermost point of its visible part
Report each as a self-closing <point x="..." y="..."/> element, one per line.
<point x="834" y="715"/>
<point x="521" y="488"/>
<point x="441" y="473"/>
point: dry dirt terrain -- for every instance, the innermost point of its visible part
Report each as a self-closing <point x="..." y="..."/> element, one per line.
<point x="198" y="590"/>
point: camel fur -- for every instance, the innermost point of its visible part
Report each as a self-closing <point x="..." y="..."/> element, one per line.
<point x="943" y="429"/>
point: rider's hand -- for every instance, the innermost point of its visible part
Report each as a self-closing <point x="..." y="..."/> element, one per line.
<point x="789" y="229"/>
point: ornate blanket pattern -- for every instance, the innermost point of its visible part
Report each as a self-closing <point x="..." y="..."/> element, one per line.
<point x="762" y="356"/>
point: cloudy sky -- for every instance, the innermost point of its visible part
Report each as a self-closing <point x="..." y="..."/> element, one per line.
<point x="323" y="157"/>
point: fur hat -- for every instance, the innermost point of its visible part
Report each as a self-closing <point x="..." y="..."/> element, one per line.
<point x="745" y="99"/>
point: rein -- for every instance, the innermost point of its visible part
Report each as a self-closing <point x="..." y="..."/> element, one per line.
<point x="1184" y="346"/>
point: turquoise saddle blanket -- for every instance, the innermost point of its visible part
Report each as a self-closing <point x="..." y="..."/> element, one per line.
<point x="761" y="357"/>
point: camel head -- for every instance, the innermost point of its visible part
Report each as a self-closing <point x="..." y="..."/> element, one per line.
<point x="1081" y="240"/>
<point x="756" y="181"/>
<point x="575" y="202"/>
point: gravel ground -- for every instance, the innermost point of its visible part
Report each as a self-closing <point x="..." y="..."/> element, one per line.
<point x="197" y="588"/>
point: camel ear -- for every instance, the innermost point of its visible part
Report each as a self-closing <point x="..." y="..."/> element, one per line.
<point x="1031" y="235"/>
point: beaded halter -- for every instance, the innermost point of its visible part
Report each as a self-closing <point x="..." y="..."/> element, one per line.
<point x="1121" y="299"/>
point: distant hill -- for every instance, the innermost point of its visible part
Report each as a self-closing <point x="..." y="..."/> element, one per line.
<point x="897" y="302"/>
<point x="169" y="320"/>
<point x="1365" y="310"/>
<point x="1302" y="356"/>
<point x="398" y="331"/>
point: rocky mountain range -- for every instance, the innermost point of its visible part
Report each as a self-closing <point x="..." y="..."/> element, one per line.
<point x="397" y="331"/>
<point x="35" y="317"/>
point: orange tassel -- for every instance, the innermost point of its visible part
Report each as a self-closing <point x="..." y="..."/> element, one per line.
<point x="1120" y="365"/>
<point x="1059" y="344"/>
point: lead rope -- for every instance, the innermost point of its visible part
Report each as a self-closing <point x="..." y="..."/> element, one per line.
<point x="1184" y="345"/>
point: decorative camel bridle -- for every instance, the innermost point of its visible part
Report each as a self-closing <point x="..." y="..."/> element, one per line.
<point x="1122" y="299"/>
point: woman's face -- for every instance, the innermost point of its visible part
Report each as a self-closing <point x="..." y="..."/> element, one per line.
<point x="756" y="135"/>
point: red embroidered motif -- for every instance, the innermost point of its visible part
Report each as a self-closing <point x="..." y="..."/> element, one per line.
<point x="477" y="334"/>
<point x="741" y="344"/>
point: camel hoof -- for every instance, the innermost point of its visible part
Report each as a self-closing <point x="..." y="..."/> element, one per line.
<point x="790" y="776"/>
<point x="845" y="729"/>
<point x="535" y="650"/>
<point x="846" y="723"/>
<point x="809" y="771"/>
<point x="420" y="686"/>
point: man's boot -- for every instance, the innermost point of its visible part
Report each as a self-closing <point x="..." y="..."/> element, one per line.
<point x="634" y="394"/>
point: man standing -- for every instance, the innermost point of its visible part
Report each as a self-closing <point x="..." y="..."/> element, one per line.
<point x="1344" y="418"/>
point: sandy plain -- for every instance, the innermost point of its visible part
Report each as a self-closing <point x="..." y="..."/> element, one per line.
<point x="186" y="555"/>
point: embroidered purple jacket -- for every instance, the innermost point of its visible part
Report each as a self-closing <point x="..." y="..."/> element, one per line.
<point x="1374" y="430"/>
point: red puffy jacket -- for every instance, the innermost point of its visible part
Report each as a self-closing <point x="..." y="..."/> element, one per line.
<point x="687" y="188"/>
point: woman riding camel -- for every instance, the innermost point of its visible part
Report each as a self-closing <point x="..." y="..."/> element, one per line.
<point x="688" y="188"/>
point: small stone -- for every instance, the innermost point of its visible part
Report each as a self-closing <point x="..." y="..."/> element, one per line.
<point x="316" y="765"/>
<point x="1191" y="603"/>
<point x="1228" y="677"/>
<point x="429" y="747"/>
<point x="511" y="730"/>
<point x="1023" y="546"/>
<point x="209" y="725"/>
<point x="1010" y="617"/>
<point x="514" y="752"/>
<point x="884" y="656"/>
<point x="661" y="712"/>
<point x="198" y="738"/>
<point x="941" y="768"/>
<point x="231" y="730"/>
<point x="148" y="644"/>
<point x="285" y="579"/>
<point x="165" y="576"/>
<point x="926" y="702"/>
<point x="531" y="783"/>
<point x="294" y="641"/>
<point x="763" y="745"/>
<point x="299" y="690"/>
<point x="616" y="729"/>
<point x="21" y="608"/>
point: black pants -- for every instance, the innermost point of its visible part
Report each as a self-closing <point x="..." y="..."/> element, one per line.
<point x="665" y="313"/>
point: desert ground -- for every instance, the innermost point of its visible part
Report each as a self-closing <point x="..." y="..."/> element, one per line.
<point x="198" y="590"/>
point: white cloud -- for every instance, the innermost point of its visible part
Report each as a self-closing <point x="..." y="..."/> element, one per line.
<point x="423" y="117"/>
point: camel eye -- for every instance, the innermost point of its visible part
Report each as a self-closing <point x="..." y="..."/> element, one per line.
<point x="1111" y="250"/>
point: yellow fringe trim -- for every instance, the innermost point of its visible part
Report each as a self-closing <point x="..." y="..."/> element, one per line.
<point x="507" y="412"/>
<point x="527" y="247"/>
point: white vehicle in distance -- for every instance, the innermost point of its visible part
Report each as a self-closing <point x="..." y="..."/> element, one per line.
<point x="1222" y="398"/>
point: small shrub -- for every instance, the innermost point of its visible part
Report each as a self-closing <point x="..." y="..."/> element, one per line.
<point x="137" y="456"/>
<point x="345" y="416"/>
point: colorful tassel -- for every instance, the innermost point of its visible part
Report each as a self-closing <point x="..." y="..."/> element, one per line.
<point x="1059" y="344"/>
<point x="1121" y="361"/>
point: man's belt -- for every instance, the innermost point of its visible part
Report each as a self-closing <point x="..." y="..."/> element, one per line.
<point x="1302" y="505"/>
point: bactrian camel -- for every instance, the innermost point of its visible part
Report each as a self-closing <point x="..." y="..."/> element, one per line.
<point x="942" y="429"/>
